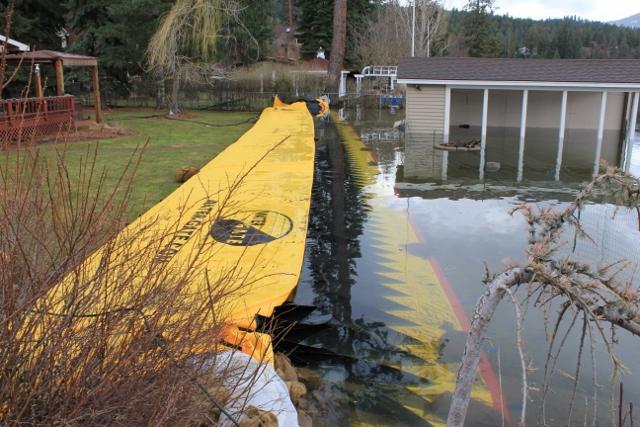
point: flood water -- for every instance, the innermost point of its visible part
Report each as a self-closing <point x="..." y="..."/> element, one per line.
<point x="397" y="239"/>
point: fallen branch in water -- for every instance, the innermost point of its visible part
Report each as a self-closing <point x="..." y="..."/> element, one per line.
<point x="485" y="308"/>
<point x="596" y="295"/>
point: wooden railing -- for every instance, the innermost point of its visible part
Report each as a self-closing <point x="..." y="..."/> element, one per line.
<point x="25" y="119"/>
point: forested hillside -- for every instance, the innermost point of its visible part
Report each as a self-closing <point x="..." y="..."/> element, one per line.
<point x="569" y="37"/>
<point x="378" y="31"/>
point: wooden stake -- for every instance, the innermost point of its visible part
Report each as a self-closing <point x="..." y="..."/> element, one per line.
<point x="39" y="92"/>
<point x="96" y="92"/>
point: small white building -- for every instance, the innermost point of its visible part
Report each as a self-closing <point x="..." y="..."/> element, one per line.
<point x="446" y="92"/>
<point x="12" y="45"/>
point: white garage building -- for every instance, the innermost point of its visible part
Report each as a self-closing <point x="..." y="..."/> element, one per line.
<point x="563" y="94"/>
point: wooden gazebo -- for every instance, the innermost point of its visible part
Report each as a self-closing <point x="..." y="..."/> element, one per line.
<point x="60" y="60"/>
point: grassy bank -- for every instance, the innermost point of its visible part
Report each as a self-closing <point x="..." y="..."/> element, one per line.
<point x="190" y="141"/>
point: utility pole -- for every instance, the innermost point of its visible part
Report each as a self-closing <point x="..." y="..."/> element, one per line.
<point x="413" y="30"/>
<point x="428" y="36"/>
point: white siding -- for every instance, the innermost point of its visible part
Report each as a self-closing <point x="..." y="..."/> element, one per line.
<point x="425" y="110"/>
<point x="425" y="126"/>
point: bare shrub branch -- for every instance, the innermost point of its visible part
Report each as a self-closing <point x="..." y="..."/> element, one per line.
<point x="599" y="295"/>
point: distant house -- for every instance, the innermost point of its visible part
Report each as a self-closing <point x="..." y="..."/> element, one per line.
<point x="285" y="47"/>
<point x="13" y="45"/>
<point x="447" y="93"/>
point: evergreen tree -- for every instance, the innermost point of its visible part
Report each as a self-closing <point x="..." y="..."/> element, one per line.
<point x="87" y="19"/>
<point x="480" y="29"/>
<point x="315" y="25"/>
<point x="117" y="32"/>
<point x="124" y="38"/>
<point x="551" y="38"/>
<point x="249" y="35"/>
<point x="36" y="23"/>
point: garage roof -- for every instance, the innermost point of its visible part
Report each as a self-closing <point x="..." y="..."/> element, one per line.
<point x="443" y="70"/>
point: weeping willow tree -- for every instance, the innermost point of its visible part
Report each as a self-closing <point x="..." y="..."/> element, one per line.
<point x="187" y="38"/>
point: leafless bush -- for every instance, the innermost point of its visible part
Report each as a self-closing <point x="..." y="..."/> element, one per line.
<point x="95" y="327"/>
<point x="280" y="78"/>
<point x="79" y="355"/>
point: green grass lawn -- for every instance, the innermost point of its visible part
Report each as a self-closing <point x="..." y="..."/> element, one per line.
<point x="171" y="145"/>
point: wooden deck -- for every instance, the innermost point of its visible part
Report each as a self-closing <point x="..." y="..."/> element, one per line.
<point x="25" y="119"/>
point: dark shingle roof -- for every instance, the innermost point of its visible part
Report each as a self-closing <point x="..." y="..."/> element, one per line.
<point x="46" y="56"/>
<point x="529" y="70"/>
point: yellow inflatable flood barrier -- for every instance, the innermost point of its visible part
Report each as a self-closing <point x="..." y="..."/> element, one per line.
<point x="241" y="222"/>
<point x="427" y="305"/>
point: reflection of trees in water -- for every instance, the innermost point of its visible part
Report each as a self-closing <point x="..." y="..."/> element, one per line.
<point x="338" y="213"/>
<point x="365" y="351"/>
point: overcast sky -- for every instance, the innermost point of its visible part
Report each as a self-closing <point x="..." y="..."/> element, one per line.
<point x="595" y="10"/>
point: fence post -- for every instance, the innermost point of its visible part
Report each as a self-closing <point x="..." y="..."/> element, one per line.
<point x="96" y="92"/>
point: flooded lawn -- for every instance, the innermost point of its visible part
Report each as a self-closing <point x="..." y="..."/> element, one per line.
<point x="398" y="236"/>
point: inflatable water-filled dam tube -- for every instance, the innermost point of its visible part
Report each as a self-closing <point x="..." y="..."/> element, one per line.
<point x="241" y="222"/>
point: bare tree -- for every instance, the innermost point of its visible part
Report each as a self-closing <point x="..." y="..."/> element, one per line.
<point x="388" y="37"/>
<point x="430" y="24"/>
<point x="599" y="296"/>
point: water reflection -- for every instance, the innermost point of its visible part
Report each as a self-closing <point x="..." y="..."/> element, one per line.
<point x="366" y="352"/>
<point x="386" y="233"/>
<point x="540" y="160"/>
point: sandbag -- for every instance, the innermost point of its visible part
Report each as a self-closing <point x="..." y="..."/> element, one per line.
<point x="253" y="385"/>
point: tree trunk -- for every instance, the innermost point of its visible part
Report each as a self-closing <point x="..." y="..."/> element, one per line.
<point x="338" y="43"/>
<point x="161" y="100"/>
<point x="485" y="308"/>
<point x="175" y="92"/>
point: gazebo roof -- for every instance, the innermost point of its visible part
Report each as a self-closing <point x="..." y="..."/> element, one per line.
<point x="50" y="56"/>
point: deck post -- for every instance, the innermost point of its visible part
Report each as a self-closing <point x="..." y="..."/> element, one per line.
<point x="603" y="110"/>
<point x="523" y="132"/>
<point x="444" y="170"/>
<point x="96" y="92"/>
<point x="359" y="84"/>
<point x="563" y="120"/>
<point x="342" y="88"/>
<point x="483" y="135"/>
<point x="445" y="132"/>
<point x="38" y="82"/>
<point x="447" y="115"/>
<point x="631" y="132"/>
<point x="59" y="78"/>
